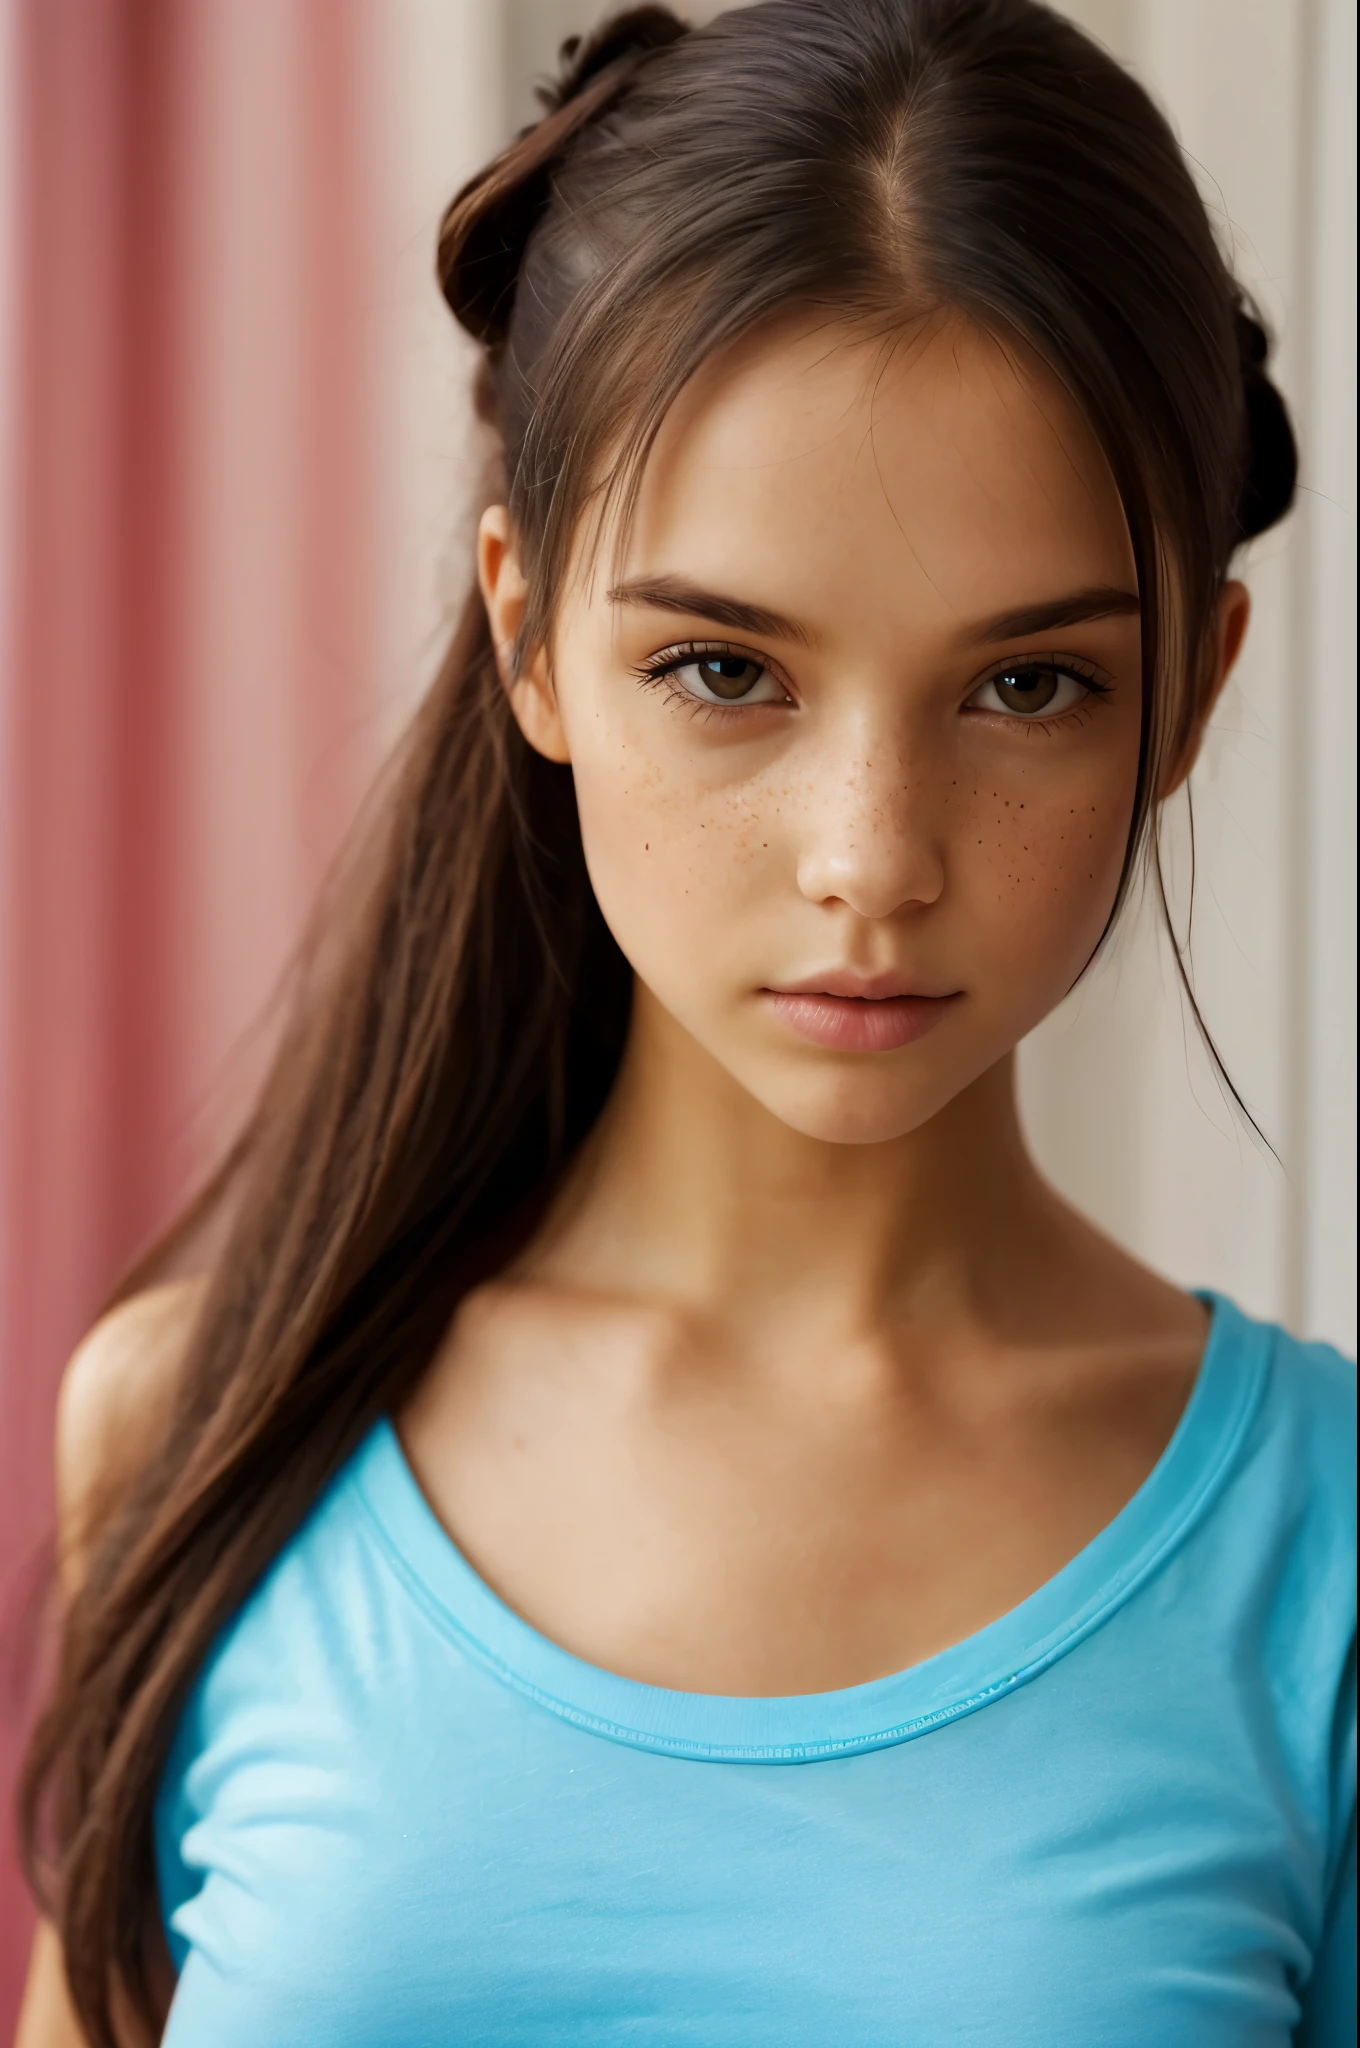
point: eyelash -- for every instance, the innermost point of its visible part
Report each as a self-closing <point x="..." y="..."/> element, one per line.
<point x="1092" y="681"/>
<point x="657" y="670"/>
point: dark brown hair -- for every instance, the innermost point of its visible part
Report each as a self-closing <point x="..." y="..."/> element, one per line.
<point x="461" y="1008"/>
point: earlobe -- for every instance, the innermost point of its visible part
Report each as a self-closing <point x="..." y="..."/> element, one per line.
<point x="503" y="586"/>
<point x="1229" y="631"/>
<point x="505" y="593"/>
<point x="534" y="703"/>
<point x="1234" y="616"/>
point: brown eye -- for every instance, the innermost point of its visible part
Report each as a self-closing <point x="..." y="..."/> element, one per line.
<point x="718" y="678"/>
<point x="1030" y="689"/>
<point x="1027" y="689"/>
<point x="729" y="676"/>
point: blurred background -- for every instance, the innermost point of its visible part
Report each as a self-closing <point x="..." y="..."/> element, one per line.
<point x="237" y="483"/>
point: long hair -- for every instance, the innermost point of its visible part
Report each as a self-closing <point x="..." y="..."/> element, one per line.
<point x="461" y="1007"/>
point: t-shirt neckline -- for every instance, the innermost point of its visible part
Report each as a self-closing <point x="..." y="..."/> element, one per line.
<point x="804" y="1727"/>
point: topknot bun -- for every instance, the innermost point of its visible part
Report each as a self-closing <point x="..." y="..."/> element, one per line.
<point x="632" y="34"/>
<point x="484" y="234"/>
<point x="1272" y="470"/>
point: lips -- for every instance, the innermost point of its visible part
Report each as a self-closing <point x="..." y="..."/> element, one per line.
<point x="859" y="1013"/>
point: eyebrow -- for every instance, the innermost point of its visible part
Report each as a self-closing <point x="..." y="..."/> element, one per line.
<point x="673" y="594"/>
<point x="1100" y="601"/>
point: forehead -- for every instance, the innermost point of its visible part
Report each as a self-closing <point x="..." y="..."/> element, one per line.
<point x="898" y="483"/>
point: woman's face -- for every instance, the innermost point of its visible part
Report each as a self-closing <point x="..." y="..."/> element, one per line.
<point x="854" y="724"/>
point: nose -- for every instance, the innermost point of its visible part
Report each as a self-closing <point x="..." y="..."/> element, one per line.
<point x="870" y="838"/>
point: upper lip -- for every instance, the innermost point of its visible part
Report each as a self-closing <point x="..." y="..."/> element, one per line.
<point x="866" y="988"/>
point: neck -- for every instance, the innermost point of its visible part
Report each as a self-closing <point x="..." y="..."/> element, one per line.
<point x="691" y="1193"/>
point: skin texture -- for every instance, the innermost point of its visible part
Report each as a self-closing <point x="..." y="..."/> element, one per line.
<point x="889" y="499"/>
<point x="809" y="1374"/>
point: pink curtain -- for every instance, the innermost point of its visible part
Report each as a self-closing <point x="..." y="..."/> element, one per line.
<point x="188" y="697"/>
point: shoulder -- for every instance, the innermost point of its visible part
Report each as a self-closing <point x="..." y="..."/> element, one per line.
<point x="1282" y="1578"/>
<point x="1311" y="1401"/>
<point x="115" y="1398"/>
<point x="1294" y="1473"/>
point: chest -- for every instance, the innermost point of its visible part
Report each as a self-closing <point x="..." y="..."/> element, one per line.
<point x="1047" y="1870"/>
<point x="735" y="1537"/>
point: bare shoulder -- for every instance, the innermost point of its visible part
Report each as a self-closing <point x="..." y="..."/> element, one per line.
<point x="115" y="1397"/>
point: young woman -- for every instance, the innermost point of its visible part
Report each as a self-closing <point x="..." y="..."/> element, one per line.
<point x="657" y="1525"/>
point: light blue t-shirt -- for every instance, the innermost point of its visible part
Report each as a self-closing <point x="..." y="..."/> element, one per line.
<point x="1122" y="1816"/>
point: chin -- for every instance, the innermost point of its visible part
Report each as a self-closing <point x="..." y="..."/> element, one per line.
<point x="854" y="1108"/>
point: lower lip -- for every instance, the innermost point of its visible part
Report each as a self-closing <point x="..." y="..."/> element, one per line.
<point x="854" y="1024"/>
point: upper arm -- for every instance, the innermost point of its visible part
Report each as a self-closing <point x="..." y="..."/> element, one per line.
<point x="114" y="1401"/>
<point x="47" y="2018"/>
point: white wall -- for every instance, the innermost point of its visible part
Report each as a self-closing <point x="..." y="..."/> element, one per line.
<point x="1122" y="1105"/>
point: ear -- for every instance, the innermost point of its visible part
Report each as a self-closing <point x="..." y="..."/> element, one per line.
<point x="1229" y="631"/>
<point x="505" y="594"/>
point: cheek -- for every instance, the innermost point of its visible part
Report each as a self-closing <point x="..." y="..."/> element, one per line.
<point x="1039" y="860"/>
<point x="672" y="855"/>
